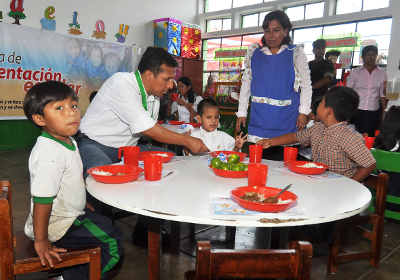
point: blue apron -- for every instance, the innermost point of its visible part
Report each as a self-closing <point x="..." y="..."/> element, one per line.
<point x="273" y="77"/>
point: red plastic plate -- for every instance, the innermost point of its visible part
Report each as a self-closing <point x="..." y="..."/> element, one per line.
<point x="176" y="122"/>
<point x="267" y="192"/>
<point x="132" y="173"/>
<point x="165" y="159"/>
<point x="229" y="173"/>
<point x="160" y="122"/>
<point x="295" y="167"/>
<point x="228" y="153"/>
<point x="194" y="124"/>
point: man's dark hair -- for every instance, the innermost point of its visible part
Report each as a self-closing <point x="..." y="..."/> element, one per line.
<point x="206" y="103"/>
<point x="335" y="53"/>
<point x="369" y="48"/>
<point x="154" y="58"/>
<point x="42" y="94"/>
<point x="343" y="101"/>
<point x="318" y="43"/>
<point x="315" y="104"/>
<point x="283" y="20"/>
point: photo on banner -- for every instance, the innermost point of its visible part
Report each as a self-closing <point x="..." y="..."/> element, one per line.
<point x="29" y="56"/>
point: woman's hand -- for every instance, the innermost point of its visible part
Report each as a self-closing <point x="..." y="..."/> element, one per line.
<point x="240" y="120"/>
<point x="182" y="102"/>
<point x="301" y="121"/>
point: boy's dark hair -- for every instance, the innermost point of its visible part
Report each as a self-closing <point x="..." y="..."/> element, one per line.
<point x="335" y="53"/>
<point x="389" y="133"/>
<point x="153" y="59"/>
<point x="343" y="101"/>
<point x="92" y="95"/>
<point x="315" y="104"/>
<point x="187" y="82"/>
<point x="42" y="94"/>
<point x="369" y="48"/>
<point x="206" y="103"/>
<point x="283" y="20"/>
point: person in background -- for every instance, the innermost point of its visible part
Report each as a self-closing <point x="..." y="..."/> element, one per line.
<point x="392" y="102"/>
<point x="333" y="143"/>
<point x="60" y="216"/>
<point x="73" y="54"/>
<point x="322" y="70"/>
<point x="273" y="75"/>
<point x="209" y="90"/>
<point x="186" y="104"/>
<point x="94" y="68"/>
<point x="208" y="116"/>
<point x="92" y="95"/>
<point x="368" y="81"/>
<point x="112" y="63"/>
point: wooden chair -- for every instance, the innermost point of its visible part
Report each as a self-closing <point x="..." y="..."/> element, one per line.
<point x="338" y="253"/>
<point x="387" y="161"/>
<point x="293" y="263"/>
<point x="17" y="253"/>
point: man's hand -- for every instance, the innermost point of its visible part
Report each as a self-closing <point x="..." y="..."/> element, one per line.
<point x="302" y="121"/>
<point x="46" y="251"/>
<point x="241" y="120"/>
<point x="196" y="145"/>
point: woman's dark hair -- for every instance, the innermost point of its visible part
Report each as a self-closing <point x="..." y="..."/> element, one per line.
<point x="283" y="20"/>
<point x="369" y="48"/>
<point x="209" y="80"/>
<point x="154" y="58"/>
<point x="187" y="82"/>
<point x="206" y="103"/>
<point x="343" y="101"/>
<point x="389" y="133"/>
<point x="42" y="94"/>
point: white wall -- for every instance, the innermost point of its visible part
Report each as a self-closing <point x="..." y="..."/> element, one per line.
<point x="138" y="14"/>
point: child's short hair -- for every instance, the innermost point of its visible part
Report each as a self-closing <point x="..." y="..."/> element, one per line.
<point x="92" y="48"/>
<point x="42" y="94"/>
<point x="315" y="104"/>
<point x="343" y="101"/>
<point x="113" y="58"/>
<point x="206" y="103"/>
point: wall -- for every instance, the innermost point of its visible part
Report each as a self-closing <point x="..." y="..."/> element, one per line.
<point x="138" y="14"/>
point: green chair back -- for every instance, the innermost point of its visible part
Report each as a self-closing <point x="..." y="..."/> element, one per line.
<point x="388" y="161"/>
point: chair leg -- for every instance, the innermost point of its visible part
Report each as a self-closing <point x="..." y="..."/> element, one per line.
<point x="333" y="254"/>
<point x="95" y="265"/>
<point x="230" y="234"/>
<point x="376" y="242"/>
<point x="192" y="232"/>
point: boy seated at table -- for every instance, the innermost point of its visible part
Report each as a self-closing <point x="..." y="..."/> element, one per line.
<point x="332" y="142"/>
<point x="215" y="140"/>
<point x="59" y="216"/>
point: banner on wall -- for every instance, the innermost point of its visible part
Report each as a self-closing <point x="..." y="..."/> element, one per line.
<point x="229" y="71"/>
<point x="29" y="56"/>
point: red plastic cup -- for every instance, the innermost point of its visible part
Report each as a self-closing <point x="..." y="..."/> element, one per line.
<point x="255" y="153"/>
<point x="376" y="133"/>
<point x="369" y="142"/>
<point x="152" y="167"/>
<point x="175" y="96"/>
<point x="131" y="155"/>
<point x="257" y="174"/>
<point x="290" y="154"/>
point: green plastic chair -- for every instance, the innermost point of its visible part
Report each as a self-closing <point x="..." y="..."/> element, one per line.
<point x="388" y="161"/>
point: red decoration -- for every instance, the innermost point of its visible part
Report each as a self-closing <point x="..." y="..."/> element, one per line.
<point x="191" y="40"/>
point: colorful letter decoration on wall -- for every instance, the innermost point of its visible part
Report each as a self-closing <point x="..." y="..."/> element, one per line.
<point x="75" y="26"/>
<point x="191" y="40"/>
<point x="17" y="11"/>
<point x="99" y="33"/>
<point x="48" y="22"/>
<point x="167" y="35"/>
<point x="123" y="30"/>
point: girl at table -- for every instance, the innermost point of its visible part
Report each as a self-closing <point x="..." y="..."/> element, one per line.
<point x="186" y="104"/>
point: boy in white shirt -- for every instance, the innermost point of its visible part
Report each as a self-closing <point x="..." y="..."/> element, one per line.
<point x="59" y="214"/>
<point x="208" y="116"/>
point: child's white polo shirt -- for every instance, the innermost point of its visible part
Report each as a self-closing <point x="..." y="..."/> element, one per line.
<point x="215" y="140"/>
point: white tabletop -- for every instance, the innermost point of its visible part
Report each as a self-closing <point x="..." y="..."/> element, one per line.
<point x="185" y="197"/>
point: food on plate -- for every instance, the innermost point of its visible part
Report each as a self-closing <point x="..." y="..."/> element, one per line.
<point x="161" y="154"/>
<point x="257" y="197"/>
<point x="234" y="158"/>
<point x="120" y="174"/>
<point x="310" y="165"/>
<point x="216" y="162"/>
<point x="101" y="172"/>
<point x="232" y="163"/>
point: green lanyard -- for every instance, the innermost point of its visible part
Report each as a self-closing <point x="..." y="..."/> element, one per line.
<point x="142" y="91"/>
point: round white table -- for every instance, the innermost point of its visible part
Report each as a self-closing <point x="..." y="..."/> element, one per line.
<point x="185" y="198"/>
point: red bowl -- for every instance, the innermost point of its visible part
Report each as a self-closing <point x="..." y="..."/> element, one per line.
<point x="132" y="173"/>
<point x="160" y="122"/>
<point x="229" y="173"/>
<point x="165" y="159"/>
<point x="176" y="122"/>
<point x="228" y="153"/>
<point x="295" y="167"/>
<point x="267" y="192"/>
<point x="194" y="124"/>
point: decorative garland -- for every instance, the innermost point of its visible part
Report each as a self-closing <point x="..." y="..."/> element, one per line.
<point x="229" y="58"/>
<point x="342" y="36"/>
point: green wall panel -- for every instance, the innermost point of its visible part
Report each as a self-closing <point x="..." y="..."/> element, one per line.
<point x="17" y="135"/>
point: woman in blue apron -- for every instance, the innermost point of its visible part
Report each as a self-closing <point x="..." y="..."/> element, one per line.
<point x="274" y="74"/>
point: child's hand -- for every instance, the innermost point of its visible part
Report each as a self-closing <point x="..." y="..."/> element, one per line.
<point x="46" y="251"/>
<point x="266" y="143"/>
<point x="187" y="132"/>
<point x="239" y="141"/>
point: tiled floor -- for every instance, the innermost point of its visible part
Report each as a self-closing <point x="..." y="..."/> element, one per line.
<point x="14" y="166"/>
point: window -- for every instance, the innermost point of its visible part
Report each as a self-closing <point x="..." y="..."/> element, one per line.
<point x="308" y="11"/>
<point x="295" y="13"/>
<point x="241" y="3"/>
<point x="253" y="19"/>
<point x="218" y="24"/>
<point x="352" y="6"/>
<point x="217" y="5"/>
<point x="315" y="10"/>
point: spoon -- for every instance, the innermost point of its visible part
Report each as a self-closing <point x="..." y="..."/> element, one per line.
<point x="274" y="199"/>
